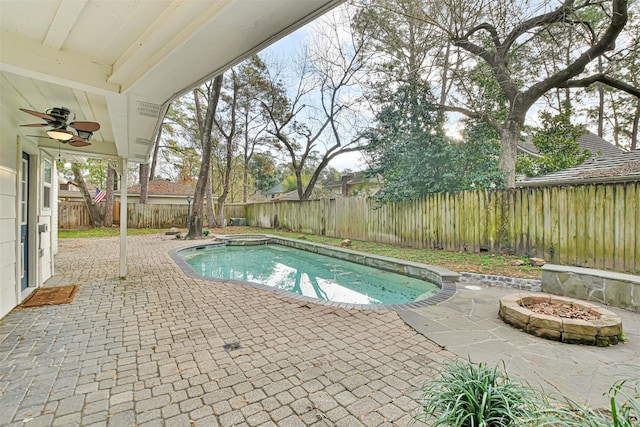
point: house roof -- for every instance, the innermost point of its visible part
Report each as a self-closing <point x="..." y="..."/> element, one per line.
<point x="291" y="195"/>
<point x="121" y="63"/>
<point x="590" y="141"/>
<point x="355" y="178"/>
<point x="621" y="166"/>
<point x="160" y="187"/>
<point x="275" y="190"/>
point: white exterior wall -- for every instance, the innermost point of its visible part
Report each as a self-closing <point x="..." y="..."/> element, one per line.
<point x="9" y="242"/>
<point x="40" y="262"/>
<point x="8" y="267"/>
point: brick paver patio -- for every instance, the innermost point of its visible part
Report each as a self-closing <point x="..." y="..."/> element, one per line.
<point x="150" y="351"/>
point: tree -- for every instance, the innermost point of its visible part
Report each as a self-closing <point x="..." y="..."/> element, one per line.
<point x="94" y="215"/>
<point x="502" y="35"/>
<point x="475" y="159"/>
<point x="322" y="115"/>
<point x="618" y="111"/>
<point x="403" y="47"/>
<point x="557" y="141"/>
<point x="265" y="171"/>
<point x="408" y="146"/>
<point x="253" y="85"/>
<point x="204" y="114"/>
<point x="108" y="200"/>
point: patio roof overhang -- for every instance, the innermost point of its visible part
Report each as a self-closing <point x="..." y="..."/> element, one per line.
<point x="120" y="63"/>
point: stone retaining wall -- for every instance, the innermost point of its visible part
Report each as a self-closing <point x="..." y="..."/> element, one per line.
<point x="606" y="287"/>
<point x="532" y="285"/>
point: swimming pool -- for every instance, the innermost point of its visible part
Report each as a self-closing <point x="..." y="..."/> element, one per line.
<point x="315" y="277"/>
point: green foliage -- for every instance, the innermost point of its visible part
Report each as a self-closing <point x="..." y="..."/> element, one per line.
<point x="624" y="397"/>
<point x="476" y="158"/>
<point x="557" y="142"/>
<point x="465" y="395"/>
<point x="290" y="183"/>
<point x="408" y="146"/>
<point x="265" y="171"/>
<point x="206" y="232"/>
<point x="409" y="149"/>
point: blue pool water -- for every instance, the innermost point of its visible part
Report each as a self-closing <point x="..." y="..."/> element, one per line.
<point x="306" y="273"/>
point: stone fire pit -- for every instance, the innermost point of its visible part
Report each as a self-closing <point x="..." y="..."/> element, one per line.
<point x="602" y="332"/>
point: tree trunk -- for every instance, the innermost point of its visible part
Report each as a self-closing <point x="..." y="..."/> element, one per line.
<point x="94" y="215"/>
<point x="211" y="215"/>
<point x="227" y="183"/>
<point x="154" y="159"/>
<point x="634" y="128"/>
<point x="600" y="101"/>
<point x="245" y="171"/>
<point x="143" y="177"/>
<point x="195" y="226"/>
<point x="509" y="138"/>
<point x="108" y="211"/>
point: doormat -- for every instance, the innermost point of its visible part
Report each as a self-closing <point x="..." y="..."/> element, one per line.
<point x="51" y="296"/>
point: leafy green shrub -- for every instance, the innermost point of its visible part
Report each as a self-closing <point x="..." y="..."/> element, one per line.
<point x="468" y="396"/>
<point x="178" y="236"/>
<point x="206" y="232"/>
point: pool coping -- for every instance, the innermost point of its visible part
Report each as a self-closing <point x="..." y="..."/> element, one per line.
<point x="445" y="279"/>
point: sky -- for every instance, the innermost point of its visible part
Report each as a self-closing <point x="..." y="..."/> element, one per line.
<point x="285" y="48"/>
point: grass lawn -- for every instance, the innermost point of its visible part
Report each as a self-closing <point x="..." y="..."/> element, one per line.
<point x="484" y="263"/>
<point x="106" y="232"/>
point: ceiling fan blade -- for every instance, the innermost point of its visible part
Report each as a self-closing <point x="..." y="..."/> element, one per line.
<point x="85" y="126"/>
<point x="38" y="114"/>
<point x="79" y="143"/>
<point x="35" y="125"/>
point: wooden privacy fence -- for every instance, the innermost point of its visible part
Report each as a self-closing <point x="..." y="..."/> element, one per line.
<point x="593" y="225"/>
<point x="74" y="214"/>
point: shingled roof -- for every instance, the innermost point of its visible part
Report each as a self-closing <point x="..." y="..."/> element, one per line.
<point x="160" y="187"/>
<point x="621" y="166"/>
<point x="589" y="141"/>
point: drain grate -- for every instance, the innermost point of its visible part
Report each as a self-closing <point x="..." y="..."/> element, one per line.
<point x="231" y="346"/>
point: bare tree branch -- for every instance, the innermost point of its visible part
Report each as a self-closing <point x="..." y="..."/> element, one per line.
<point x="606" y="79"/>
<point x="474" y="115"/>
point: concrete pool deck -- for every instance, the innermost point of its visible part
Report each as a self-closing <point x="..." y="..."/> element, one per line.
<point x="468" y="325"/>
<point x="159" y="349"/>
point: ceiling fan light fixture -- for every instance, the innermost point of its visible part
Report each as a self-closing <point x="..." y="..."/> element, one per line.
<point x="60" y="134"/>
<point x="84" y="134"/>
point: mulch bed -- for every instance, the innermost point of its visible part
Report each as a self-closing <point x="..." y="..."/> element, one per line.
<point x="51" y="296"/>
<point x="568" y="311"/>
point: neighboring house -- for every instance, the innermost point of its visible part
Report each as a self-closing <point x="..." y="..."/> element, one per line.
<point x="618" y="167"/>
<point x="589" y="141"/>
<point x="69" y="190"/>
<point x="160" y="192"/>
<point x="355" y="184"/>
<point x="274" y="192"/>
<point x="291" y="195"/>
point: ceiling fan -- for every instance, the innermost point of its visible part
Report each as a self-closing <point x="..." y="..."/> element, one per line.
<point x="56" y="119"/>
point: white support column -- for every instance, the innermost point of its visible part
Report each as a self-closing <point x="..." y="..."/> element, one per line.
<point x="123" y="217"/>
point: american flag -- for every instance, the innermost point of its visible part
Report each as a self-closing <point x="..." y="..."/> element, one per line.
<point x="100" y="195"/>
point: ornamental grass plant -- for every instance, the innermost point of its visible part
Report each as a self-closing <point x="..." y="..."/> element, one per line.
<point x="465" y="395"/>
